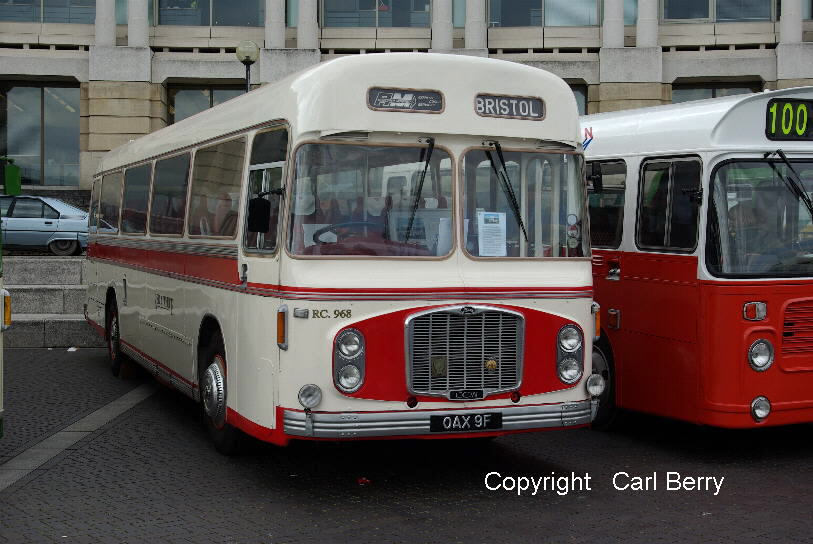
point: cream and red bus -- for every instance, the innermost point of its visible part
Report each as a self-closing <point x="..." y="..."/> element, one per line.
<point x="384" y="245"/>
<point x="703" y="258"/>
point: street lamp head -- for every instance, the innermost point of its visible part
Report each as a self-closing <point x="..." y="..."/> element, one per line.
<point x="247" y="52"/>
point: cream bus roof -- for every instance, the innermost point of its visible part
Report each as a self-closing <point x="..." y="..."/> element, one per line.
<point x="733" y="122"/>
<point x="332" y="97"/>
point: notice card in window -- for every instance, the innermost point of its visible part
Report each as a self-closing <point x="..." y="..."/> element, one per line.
<point x="491" y="227"/>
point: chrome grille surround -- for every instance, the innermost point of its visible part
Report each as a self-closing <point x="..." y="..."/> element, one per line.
<point x="467" y="337"/>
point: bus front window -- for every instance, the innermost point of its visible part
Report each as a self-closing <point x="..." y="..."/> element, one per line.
<point x="368" y="200"/>
<point x="546" y="191"/>
<point x="757" y="226"/>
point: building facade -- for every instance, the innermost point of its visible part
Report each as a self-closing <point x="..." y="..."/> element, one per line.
<point x="80" y="77"/>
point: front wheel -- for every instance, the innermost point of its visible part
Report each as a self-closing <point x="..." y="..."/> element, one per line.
<point x="213" y="393"/>
<point x="63" y="248"/>
<point x="603" y="364"/>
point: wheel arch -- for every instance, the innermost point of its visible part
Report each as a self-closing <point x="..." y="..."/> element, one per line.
<point x="209" y="325"/>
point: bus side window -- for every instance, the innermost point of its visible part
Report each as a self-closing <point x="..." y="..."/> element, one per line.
<point x="265" y="189"/>
<point x="668" y="204"/>
<point x="168" y="206"/>
<point x="110" y="203"/>
<point x="215" y="189"/>
<point x="606" y="204"/>
<point x="134" y="203"/>
<point x="93" y="216"/>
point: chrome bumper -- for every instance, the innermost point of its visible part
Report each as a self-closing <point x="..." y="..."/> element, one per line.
<point x="412" y="423"/>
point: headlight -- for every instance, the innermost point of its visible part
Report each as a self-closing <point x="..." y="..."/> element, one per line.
<point x="570" y="370"/>
<point x="570" y="338"/>
<point x="760" y="408"/>
<point x="349" y="378"/>
<point x="310" y="396"/>
<point x="760" y="355"/>
<point x="349" y="344"/>
<point x="595" y="385"/>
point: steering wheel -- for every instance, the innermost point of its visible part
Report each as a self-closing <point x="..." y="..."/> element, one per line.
<point x="334" y="226"/>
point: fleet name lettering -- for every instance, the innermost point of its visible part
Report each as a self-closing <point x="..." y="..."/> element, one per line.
<point x="511" y="107"/>
<point x="163" y="302"/>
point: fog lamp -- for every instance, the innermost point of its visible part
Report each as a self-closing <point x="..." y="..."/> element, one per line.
<point x="310" y="396"/>
<point x="596" y="385"/>
<point x="760" y="408"/>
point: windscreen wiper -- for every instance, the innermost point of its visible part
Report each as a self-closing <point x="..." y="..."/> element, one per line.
<point x="417" y="200"/>
<point x="793" y="181"/>
<point x="502" y="176"/>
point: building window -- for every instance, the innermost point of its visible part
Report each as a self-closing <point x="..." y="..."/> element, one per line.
<point x="291" y="13"/>
<point x="580" y="92"/>
<point x="630" y="12"/>
<point x="211" y="12"/>
<point x="536" y="12"/>
<point x="185" y="101"/>
<point x="686" y="93"/>
<point x="376" y="13"/>
<point x="121" y="12"/>
<point x="39" y="129"/>
<point x="719" y="10"/>
<point x="48" y="11"/>
<point x="459" y="13"/>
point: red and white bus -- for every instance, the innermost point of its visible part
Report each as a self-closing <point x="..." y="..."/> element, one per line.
<point x="703" y="258"/>
<point x="380" y="246"/>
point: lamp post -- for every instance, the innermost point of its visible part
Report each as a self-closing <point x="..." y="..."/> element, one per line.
<point x="247" y="53"/>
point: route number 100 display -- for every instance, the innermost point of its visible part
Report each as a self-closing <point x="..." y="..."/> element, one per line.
<point x="788" y="119"/>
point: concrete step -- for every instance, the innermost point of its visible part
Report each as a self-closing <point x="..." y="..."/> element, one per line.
<point x="42" y="270"/>
<point x="50" y="331"/>
<point x="46" y="299"/>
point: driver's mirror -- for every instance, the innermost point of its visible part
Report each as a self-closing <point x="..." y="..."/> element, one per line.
<point x="594" y="177"/>
<point x="259" y="214"/>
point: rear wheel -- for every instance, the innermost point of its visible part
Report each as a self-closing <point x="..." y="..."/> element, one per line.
<point x="213" y="392"/>
<point x="603" y="364"/>
<point x="112" y="334"/>
<point x="63" y="247"/>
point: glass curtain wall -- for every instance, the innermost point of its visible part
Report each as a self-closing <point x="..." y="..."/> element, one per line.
<point x="39" y="129"/>
<point x="376" y="13"/>
<point x="686" y="93"/>
<point x="720" y="10"/>
<point x="186" y="101"/>
<point x="48" y="11"/>
<point x="512" y="13"/>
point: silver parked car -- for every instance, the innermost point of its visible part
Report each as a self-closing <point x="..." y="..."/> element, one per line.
<point x="34" y="221"/>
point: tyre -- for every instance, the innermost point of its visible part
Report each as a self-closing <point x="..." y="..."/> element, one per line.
<point x="603" y="364"/>
<point x="113" y="337"/>
<point x="213" y="394"/>
<point x="63" y="248"/>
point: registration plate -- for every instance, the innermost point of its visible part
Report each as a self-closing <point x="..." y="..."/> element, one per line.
<point x="465" y="422"/>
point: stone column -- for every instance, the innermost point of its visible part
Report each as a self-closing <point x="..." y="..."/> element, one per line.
<point x="476" y="31"/>
<point x="612" y="31"/>
<point x="274" y="24"/>
<point x="441" y="25"/>
<point x="106" y="23"/>
<point x="646" y="28"/>
<point x="138" y="27"/>
<point x="790" y="25"/>
<point x="307" y="31"/>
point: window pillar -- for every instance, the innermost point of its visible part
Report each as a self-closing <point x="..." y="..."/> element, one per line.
<point x="138" y="30"/>
<point x="476" y="31"/>
<point x="646" y="28"/>
<point x="790" y="24"/>
<point x="106" y="23"/>
<point x="612" y="31"/>
<point x="275" y="24"/>
<point x="441" y="24"/>
<point x="307" y="31"/>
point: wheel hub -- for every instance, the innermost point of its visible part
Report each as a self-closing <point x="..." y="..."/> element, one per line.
<point x="213" y="391"/>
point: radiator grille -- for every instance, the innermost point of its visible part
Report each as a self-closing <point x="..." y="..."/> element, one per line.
<point x="465" y="348"/>
<point x="798" y="328"/>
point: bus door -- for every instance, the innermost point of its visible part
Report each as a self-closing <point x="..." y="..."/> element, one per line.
<point x="659" y="294"/>
<point x="258" y="268"/>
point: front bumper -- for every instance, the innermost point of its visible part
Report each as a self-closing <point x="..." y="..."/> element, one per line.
<point x="416" y="422"/>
